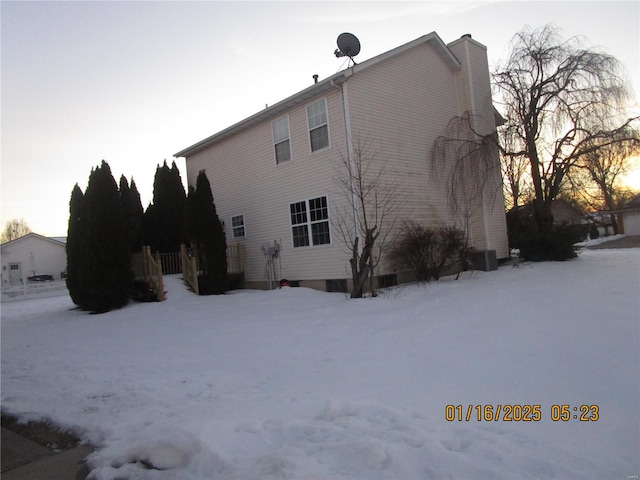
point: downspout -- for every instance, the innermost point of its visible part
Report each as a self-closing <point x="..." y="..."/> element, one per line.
<point x="344" y="94"/>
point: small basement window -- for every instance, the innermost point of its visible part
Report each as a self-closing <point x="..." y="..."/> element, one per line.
<point x="338" y="285"/>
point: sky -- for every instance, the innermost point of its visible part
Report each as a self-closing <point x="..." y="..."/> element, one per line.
<point x="132" y="83"/>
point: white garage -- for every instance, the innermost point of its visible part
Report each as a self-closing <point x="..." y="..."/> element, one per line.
<point x="33" y="255"/>
<point x="630" y="215"/>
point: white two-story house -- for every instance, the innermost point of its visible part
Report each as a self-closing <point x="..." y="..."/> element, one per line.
<point x="273" y="175"/>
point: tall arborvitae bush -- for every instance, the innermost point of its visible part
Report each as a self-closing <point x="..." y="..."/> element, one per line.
<point x="163" y="220"/>
<point x="130" y="200"/>
<point x="74" y="245"/>
<point x="206" y="235"/>
<point x="101" y="256"/>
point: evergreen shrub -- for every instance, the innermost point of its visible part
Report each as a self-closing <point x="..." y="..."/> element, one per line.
<point x="557" y="244"/>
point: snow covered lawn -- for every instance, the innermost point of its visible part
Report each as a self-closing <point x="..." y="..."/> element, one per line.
<point x="296" y="383"/>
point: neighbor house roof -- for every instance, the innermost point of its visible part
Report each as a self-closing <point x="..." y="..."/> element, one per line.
<point x="57" y="240"/>
<point x="320" y="88"/>
<point x="633" y="203"/>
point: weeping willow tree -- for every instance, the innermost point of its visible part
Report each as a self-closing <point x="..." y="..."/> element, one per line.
<point x="465" y="159"/>
<point x="562" y="102"/>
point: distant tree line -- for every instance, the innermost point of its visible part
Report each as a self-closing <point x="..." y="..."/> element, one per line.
<point x="107" y="224"/>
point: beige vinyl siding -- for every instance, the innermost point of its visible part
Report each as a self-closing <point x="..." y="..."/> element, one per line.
<point x="244" y="178"/>
<point x="491" y="231"/>
<point x="474" y="77"/>
<point x="398" y="105"/>
<point x="403" y="122"/>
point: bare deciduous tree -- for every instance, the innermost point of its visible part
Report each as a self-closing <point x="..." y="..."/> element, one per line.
<point x="365" y="225"/>
<point x="561" y="102"/>
<point x="13" y="229"/>
<point x="516" y="181"/>
<point x="597" y="177"/>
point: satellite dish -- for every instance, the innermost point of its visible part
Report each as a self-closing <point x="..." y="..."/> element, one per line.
<point x="348" y="46"/>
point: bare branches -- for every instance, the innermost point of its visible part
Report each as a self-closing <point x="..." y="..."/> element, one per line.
<point x="467" y="161"/>
<point x="561" y="102"/>
<point x="14" y="229"/>
<point x="372" y="202"/>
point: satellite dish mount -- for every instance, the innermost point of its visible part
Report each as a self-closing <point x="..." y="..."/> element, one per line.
<point x="348" y="46"/>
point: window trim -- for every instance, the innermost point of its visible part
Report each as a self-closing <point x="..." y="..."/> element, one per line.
<point x="244" y="227"/>
<point x="288" y="139"/>
<point x="309" y="222"/>
<point x="326" y="111"/>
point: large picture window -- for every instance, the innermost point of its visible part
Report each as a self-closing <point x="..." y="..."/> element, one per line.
<point x="310" y="222"/>
<point x="281" y="141"/>
<point x="318" y="128"/>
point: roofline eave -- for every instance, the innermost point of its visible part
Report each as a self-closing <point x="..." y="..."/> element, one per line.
<point x="269" y="112"/>
<point x="319" y="88"/>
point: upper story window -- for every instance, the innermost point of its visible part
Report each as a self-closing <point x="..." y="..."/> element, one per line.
<point x="281" y="140"/>
<point x="310" y="222"/>
<point x="237" y="226"/>
<point x="318" y="128"/>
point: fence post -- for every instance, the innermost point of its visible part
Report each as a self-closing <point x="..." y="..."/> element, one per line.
<point x="194" y="275"/>
<point x="240" y="258"/>
<point x="159" y="279"/>
<point x="145" y="262"/>
<point x="183" y="254"/>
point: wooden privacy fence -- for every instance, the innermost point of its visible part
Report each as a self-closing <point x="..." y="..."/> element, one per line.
<point x="148" y="268"/>
<point x="235" y="259"/>
<point x="189" y="262"/>
<point x="189" y="269"/>
<point x="171" y="263"/>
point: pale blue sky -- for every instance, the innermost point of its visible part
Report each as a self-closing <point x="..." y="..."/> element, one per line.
<point x="135" y="82"/>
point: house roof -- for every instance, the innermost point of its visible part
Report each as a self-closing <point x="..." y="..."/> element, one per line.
<point x="320" y="88"/>
<point x="57" y="240"/>
<point x="633" y="203"/>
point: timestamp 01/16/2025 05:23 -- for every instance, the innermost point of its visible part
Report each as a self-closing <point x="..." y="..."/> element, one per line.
<point x="520" y="413"/>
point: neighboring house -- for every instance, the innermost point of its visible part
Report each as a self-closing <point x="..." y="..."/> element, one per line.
<point x="566" y="214"/>
<point x="273" y="175"/>
<point x="603" y="221"/>
<point x="30" y="256"/>
<point x="563" y="213"/>
<point x="630" y="214"/>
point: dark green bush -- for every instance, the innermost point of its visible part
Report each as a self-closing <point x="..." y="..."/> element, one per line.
<point x="206" y="235"/>
<point x="99" y="275"/>
<point x="558" y="245"/>
<point x="556" y="242"/>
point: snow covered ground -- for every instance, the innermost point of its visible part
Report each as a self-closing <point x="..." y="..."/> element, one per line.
<point x="295" y="383"/>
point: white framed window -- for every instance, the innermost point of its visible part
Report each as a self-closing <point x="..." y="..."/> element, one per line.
<point x="318" y="126"/>
<point x="237" y="226"/>
<point x="310" y="222"/>
<point x="281" y="139"/>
